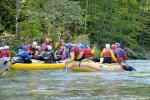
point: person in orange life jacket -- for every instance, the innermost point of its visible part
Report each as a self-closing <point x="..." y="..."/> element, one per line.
<point x="113" y="48"/>
<point x="120" y="53"/>
<point x="75" y="54"/>
<point x="89" y="53"/>
<point x="23" y="55"/>
<point x="45" y="45"/>
<point x="107" y="54"/>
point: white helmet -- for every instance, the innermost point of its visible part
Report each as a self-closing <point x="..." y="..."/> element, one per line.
<point x="6" y="47"/>
<point x="49" y="47"/>
<point x="107" y="46"/>
<point x="1" y="48"/>
<point x="34" y="43"/>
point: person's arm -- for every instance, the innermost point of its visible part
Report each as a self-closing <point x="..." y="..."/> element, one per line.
<point x="113" y="56"/>
<point x="71" y="57"/>
<point x="102" y="53"/>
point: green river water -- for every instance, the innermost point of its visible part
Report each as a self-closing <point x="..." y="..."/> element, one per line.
<point x="68" y="85"/>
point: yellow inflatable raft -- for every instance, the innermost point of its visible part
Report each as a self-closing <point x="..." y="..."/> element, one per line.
<point x="91" y="66"/>
<point x="37" y="65"/>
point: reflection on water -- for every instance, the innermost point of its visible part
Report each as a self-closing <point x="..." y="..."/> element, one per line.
<point x="59" y="84"/>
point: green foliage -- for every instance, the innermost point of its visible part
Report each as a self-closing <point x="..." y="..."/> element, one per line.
<point x="97" y="21"/>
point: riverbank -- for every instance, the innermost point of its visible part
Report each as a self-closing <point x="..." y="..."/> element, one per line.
<point x="14" y="44"/>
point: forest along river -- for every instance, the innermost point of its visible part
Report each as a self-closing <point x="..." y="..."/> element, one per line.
<point x="59" y="84"/>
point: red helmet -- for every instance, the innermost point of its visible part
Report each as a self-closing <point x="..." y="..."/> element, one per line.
<point x="113" y="46"/>
<point x="61" y="41"/>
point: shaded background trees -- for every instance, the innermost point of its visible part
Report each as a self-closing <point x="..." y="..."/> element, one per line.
<point x="97" y="21"/>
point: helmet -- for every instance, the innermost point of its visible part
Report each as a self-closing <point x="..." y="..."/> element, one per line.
<point x="47" y="40"/>
<point x="1" y="48"/>
<point x="34" y="43"/>
<point x="68" y="45"/>
<point x="24" y="48"/>
<point x="107" y="45"/>
<point x="61" y="41"/>
<point x="82" y="46"/>
<point x="113" y="46"/>
<point x="19" y="50"/>
<point x="87" y="46"/>
<point x="117" y="44"/>
<point x="49" y="47"/>
<point x="6" y="47"/>
<point x="75" y="49"/>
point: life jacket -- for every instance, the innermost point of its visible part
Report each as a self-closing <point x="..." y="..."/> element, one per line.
<point x="83" y="50"/>
<point x="45" y="46"/>
<point x="76" y="54"/>
<point x="107" y="53"/>
<point x="58" y="54"/>
<point x="88" y="53"/>
<point x="5" y="53"/>
<point x="30" y="50"/>
<point x="121" y="55"/>
<point x="0" y="54"/>
<point x="47" y="55"/>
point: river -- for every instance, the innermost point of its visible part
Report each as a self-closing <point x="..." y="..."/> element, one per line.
<point x="68" y="85"/>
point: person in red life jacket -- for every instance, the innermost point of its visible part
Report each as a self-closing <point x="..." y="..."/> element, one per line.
<point x="6" y="53"/>
<point x="89" y="53"/>
<point x="29" y="51"/>
<point x="113" y="48"/>
<point x="107" y="54"/>
<point x="82" y="48"/>
<point x="120" y="53"/>
<point x="45" y="45"/>
<point x="75" y="54"/>
<point x="1" y="52"/>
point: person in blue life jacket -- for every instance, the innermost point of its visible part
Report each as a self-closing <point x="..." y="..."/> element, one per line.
<point x="23" y="56"/>
<point x="120" y="53"/>
<point x="48" y="56"/>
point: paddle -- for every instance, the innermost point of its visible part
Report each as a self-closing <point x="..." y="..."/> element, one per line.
<point x="129" y="67"/>
<point x="126" y="66"/>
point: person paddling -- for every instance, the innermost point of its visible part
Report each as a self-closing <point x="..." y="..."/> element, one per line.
<point x="120" y="53"/>
<point x="75" y="54"/>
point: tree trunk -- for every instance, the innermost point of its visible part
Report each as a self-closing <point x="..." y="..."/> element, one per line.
<point x="17" y="30"/>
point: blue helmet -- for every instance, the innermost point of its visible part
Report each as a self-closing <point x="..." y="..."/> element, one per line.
<point x="24" y="48"/>
<point x="82" y="46"/>
<point x="68" y="45"/>
<point x="117" y="44"/>
<point x="19" y="50"/>
<point x="87" y="46"/>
